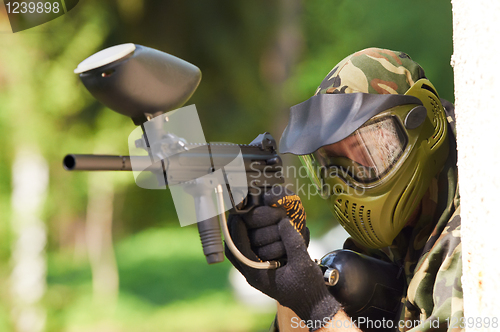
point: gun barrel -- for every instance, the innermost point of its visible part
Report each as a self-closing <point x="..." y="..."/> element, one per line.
<point x="91" y="162"/>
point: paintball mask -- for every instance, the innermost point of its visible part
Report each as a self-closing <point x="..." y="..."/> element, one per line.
<point x="372" y="155"/>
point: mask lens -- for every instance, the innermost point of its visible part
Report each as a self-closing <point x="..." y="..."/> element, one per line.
<point x="367" y="154"/>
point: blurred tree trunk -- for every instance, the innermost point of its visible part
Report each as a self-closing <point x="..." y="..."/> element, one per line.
<point x="476" y="50"/>
<point x="277" y="62"/>
<point x="30" y="178"/>
<point x="99" y="237"/>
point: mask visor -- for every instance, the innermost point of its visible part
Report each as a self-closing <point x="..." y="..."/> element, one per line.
<point x="365" y="156"/>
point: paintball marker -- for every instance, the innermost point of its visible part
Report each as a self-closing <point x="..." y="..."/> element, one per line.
<point x="143" y="84"/>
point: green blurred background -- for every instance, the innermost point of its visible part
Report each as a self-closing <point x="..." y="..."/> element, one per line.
<point x="110" y="256"/>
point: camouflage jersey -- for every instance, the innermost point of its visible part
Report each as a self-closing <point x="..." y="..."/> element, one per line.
<point x="431" y="254"/>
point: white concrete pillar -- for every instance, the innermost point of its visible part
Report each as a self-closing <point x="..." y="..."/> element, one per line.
<point x="30" y="175"/>
<point x="476" y="62"/>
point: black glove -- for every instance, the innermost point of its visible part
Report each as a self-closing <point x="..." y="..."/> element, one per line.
<point x="262" y="223"/>
<point x="268" y="233"/>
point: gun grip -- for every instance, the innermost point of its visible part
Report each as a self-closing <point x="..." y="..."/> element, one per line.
<point x="211" y="240"/>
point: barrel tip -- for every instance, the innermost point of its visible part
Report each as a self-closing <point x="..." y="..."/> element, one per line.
<point x="69" y="162"/>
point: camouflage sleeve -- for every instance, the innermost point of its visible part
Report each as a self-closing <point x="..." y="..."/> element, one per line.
<point x="435" y="299"/>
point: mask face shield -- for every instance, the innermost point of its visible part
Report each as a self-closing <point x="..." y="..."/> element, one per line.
<point x="373" y="164"/>
<point x="367" y="154"/>
<point x="361" y="159"/>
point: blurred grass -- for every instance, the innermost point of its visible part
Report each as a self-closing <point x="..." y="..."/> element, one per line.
<point x="4" y="319"/>
<point x="165" y="285"/>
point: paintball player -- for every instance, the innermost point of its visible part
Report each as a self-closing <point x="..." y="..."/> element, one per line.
<point x="381" y="148"/>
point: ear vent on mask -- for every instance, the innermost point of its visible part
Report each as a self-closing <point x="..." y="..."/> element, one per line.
<point x="346" y="204"/>
<point x="353" y="210"/>
<point x="360" y="219"/>
<point x="356" y="221"/>
<point x="343" y="216"/>
<point x="439" y="122"/>
<point x="338" y="202"/>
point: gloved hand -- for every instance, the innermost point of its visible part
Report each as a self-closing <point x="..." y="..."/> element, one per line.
<point x="273" y="232"/>
<point x="262" y="223"/>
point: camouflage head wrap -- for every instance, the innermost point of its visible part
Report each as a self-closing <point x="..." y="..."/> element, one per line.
<point x="372" y="70"/>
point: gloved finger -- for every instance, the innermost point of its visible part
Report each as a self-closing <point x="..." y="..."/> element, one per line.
<point x="263" y="216"/>
<point x="262" y="236"/>
<point x="279" y="196"/>
<point x="250" y="274"/>
<point x="293" y="241"/>
<point x="273" y="195"/>
<point x="270" y="252"/>
<point x="306" y="235"/>
<point x="236" y="263"/>
<point x="239" y="235"/>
